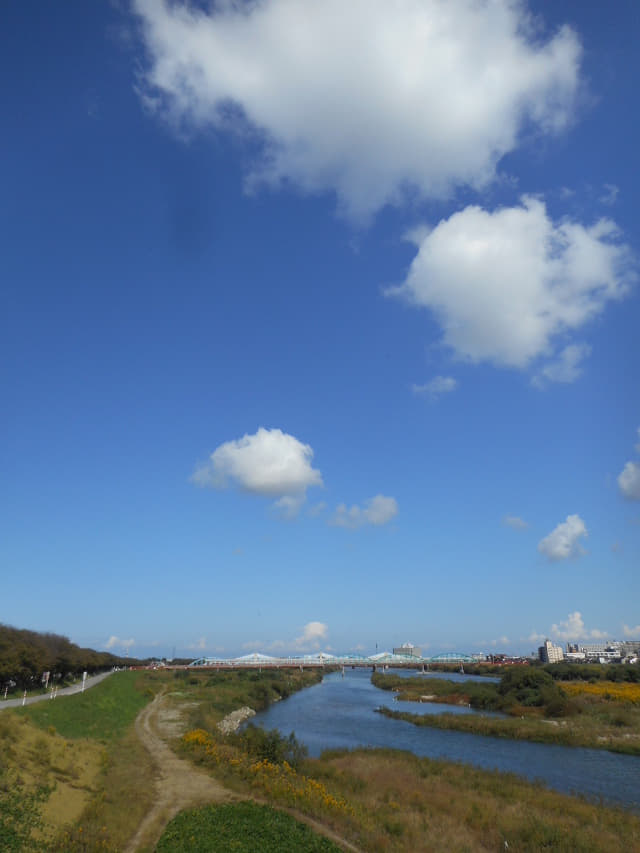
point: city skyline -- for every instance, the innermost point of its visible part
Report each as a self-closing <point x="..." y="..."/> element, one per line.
<point x="320" y="325"/>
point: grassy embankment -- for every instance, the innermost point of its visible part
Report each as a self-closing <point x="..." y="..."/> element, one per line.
<point x="213" y="695"/>
<point x="81" y="756"/>
<point x="577" y="713"/>
<point x="84" y="751"/>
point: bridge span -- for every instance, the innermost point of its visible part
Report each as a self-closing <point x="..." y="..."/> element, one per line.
<point x="324" y="660"/>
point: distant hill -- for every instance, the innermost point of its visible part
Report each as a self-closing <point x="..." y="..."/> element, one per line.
<point x="26" y="655"/>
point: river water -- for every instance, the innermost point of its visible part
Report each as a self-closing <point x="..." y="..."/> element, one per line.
<point x="340" y="713"/>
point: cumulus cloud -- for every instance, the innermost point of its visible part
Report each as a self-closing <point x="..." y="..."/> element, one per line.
<point x="629" y="481"/>
<point x="116" y="642"/>
<point x="515" y="522"/>
<point x="313" y="634"/>
<point x="370" y="99"/>
<point x="199" y="646"/>
<point x="564" y="368"/>
<point x="573" y="628"/>
<point x="631" y="632"/>
<point x="436" y="386"/>
<point x="377" y="511"/>
<point x="629" y="478"/>
<point x="563" y="541"/>
<point x="269" y="463"/>
<point x="506" y="285"/>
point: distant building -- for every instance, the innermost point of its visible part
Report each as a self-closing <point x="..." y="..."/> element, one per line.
<point x="550" y="653"/>
<point x="630" y="649"/>
<point x="408" y="649"/>
<point x="602" y="652"/>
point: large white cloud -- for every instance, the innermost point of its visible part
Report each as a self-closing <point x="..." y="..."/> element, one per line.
<point x="504" y="285"/>
<point x="368" y="98"/>
<point x="270" y="463"/>
<point x="564" y="540"/>
<point x="378" y="510"/>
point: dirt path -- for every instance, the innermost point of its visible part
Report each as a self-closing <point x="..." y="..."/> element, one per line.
<point x="180" y="785"/>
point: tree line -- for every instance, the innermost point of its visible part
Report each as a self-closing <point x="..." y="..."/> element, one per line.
<point x="26" y="655"/>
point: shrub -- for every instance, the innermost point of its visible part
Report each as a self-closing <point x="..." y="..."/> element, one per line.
<point x="272" y="746"/>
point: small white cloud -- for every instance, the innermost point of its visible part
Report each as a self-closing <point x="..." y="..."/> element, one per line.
<point x="610" y="194"/>
<point x="312" y="635"/>
<point x="535" y="637"/>
<point x="573" y="628"/>
<point x="631" y="632"/>
<point x="506" y="285"/>
<point x="436" y="387"/>
<point x="515" y="522"/>
<point x="317" y="509"/>
<point x="563" y="541"/>
<point x="116" y="642"/>
<point x="564" y="368"/>
<point x="629" y="481"/>
<point x="199" y="646"/>
<point x="377" y="511"/>
<point x="288" y="506"/>
<point x="269" y="463"/>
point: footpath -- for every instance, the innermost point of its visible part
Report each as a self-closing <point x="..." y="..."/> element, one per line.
<point x="65" y="691"/>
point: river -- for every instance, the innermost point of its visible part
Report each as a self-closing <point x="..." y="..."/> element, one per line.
<point x="340" y="713"/>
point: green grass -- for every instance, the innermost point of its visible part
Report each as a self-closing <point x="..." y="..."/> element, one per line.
<point x="243" y="828"/>
<point x="219" y="693"/>
<point x="103" y="712"/>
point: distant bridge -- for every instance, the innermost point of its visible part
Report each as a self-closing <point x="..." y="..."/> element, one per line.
<point x="322" y="659"/>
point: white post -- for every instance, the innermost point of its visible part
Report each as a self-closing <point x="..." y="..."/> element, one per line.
<point x="5" y="691"/>
<point x="24" y="698"/>
<point x="84" y="678"/>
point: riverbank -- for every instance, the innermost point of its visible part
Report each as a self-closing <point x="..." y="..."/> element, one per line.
<point x="577" y="714"/>
<point x="559" y="732"/>
<point x="387" y="801"/>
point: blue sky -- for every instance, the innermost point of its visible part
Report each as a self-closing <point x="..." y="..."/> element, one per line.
<point x="319" y="324"/>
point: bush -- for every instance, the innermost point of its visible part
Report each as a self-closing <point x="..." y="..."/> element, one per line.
<point x="19" y="812"/>
<point x="272" y="746"/>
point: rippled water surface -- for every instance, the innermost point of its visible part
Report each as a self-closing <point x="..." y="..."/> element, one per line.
<point x="340" y="713"/>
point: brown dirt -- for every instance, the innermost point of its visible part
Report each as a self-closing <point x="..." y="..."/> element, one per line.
<point x="179" y="785"/>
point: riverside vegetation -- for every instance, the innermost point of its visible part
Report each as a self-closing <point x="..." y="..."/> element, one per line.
<point x="575" y="711"/>
<point x="373" y="800"/>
